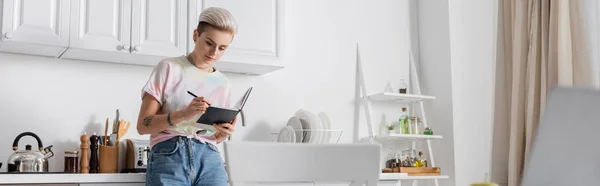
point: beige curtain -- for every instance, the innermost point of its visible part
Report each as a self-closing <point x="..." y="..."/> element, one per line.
<point x="543" y="47"/>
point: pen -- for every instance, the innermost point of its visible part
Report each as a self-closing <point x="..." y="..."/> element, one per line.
<point x="195" y="96"/>
<point x="192" y="94"/>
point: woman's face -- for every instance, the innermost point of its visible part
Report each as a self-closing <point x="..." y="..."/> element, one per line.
<point x="211" y="44"/>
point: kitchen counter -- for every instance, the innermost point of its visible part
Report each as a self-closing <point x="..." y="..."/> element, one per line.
<point x="133" y="179"/>
<point x="63" y="178"/>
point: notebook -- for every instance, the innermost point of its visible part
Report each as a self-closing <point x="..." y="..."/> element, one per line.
<point x="215" y="114"/>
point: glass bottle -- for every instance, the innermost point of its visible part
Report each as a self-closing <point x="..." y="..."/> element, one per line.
<point x="421" y="162"/>
<point x="402" y="87"/>
<point x="403" y="122"/>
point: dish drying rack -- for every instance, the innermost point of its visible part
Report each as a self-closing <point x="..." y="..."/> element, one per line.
<point x="311" y="136"/>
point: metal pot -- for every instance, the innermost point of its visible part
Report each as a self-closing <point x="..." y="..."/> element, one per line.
<point x="29" y="160"/>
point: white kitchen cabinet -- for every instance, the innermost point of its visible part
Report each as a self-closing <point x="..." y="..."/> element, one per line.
<point x="100" y="30"/>
<point x="138" y="32"/>
<point x="258" y="46"/>
<point x="37" y="27"/>
<point x="141" y="32"/>
<point x="159" y="28"/>
<point x="112" y="184"/>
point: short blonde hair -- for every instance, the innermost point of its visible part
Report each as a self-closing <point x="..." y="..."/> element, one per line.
<point x="218" y="18"/>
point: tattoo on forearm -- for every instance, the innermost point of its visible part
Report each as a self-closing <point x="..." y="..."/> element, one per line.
<point x="148" y="120"/>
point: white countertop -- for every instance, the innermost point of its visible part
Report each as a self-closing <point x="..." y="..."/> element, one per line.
<point x="72" y="178"/>
<point x="61" y="178"/>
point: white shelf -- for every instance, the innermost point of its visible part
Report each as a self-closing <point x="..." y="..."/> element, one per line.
<point x="400" y="176"/>
<point x="408" y="137"/>
<point x="404" y="98"/>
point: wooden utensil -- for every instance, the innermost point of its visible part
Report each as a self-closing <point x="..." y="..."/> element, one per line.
<point x="105" y="137"/>
<point x="123" y="128"/>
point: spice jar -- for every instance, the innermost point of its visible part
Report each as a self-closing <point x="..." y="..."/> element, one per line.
<point x="71" y="161"/>
<point x="393" y="160"/>
<point x="415" y="125"/>
<point x="409" y="157"/>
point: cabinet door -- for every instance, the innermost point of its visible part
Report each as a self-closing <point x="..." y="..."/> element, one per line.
<point x="101" y="25"/>
<point x="113" y="184"/>
<point x="28" y="23"/>
<point x="159" y="28"/>
<point x="258" y="45"/>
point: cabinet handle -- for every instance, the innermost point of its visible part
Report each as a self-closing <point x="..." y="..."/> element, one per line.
<point x="126" y="47"/>
<point x="137" y="48"/>
<point x="8" y="35"/>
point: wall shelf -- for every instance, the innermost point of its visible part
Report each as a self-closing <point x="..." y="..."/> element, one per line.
<point x="397" y="97"/>
<point x="401" y="176"/>
<point x="413" y="98"/>
<point x="394" y="137"/>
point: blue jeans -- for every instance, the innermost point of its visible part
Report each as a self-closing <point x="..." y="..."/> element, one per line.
<point x="185" y="161"/>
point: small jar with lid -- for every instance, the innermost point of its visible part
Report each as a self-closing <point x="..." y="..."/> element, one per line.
<point x="415" y="125"/>
<point x="393" y="159"/>
<point x="409" y="157"/>
<point x="71" y="161"/>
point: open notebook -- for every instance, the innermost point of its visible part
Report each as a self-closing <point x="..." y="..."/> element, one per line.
<point x="214" y="114"/>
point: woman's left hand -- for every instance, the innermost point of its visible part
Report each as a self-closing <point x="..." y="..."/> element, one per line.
<point x="224" y="130"/>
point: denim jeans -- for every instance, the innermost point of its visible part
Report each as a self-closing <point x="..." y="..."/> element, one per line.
<point x="185" y="161"/>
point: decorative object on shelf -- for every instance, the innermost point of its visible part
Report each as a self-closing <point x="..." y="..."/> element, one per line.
<point x="415" y="125"/>
<point x="428" y="131"/>
<point x="403" y="123"/>
<point x="421" y="162"/>
<point x="390" y="129"/>
<point x="386" y="128"/>
<point x="394" y="160"/>
<point x="402" y="88"/>
<point x="409" y="158"/>
<point x="388" y="88"/>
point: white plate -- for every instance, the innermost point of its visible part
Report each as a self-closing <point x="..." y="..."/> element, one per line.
<point x="326" y="126"/>
<point x="313" y="122"/>
<point x="317" y="127"/>
<point x="295" y="123"/>
<point x="286" y="135"/>
<point x="310" y="136"/>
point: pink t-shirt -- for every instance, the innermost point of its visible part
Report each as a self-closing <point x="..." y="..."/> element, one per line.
<point x="169" y="82"/>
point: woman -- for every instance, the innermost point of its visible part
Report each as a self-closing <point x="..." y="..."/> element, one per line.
<point x="183" y="153"/>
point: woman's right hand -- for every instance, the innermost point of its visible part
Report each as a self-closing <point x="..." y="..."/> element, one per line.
<point x="197" y="106"/>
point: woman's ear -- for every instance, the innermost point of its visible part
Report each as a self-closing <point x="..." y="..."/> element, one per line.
<point x="195" y="35"/>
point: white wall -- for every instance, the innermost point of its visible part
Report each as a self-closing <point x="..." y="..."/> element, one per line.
<point x="436" y="79"/>
<point x="457" y="56"/>
<point x="60" y="99"/>
<point x="473" y="57"/>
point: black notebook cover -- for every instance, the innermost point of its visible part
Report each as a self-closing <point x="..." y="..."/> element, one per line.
<point x="214" y="115"/>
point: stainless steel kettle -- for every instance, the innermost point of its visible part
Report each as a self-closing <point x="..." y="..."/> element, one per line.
<point x="29" y="160"/>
